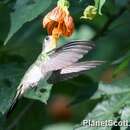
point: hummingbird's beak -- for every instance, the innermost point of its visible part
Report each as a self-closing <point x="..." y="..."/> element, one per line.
<point x="54" y="42"/>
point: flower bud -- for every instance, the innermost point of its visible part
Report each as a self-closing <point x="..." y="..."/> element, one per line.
<point x="90" y="12"/>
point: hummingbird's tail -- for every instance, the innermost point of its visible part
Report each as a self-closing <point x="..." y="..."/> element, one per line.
<point x="15" y="99"/>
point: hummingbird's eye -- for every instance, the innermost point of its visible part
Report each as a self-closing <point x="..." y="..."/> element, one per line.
<point x="47" y="38"/>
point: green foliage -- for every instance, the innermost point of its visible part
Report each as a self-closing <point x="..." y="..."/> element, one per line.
<point x="115" y="88"/>
<point x="25" y="12"/>
<point x="59" y="127"/>
<point x="123" y="64"/>
<point x="8" y="84"/>
<point x="4" y="22"/>
<point x="113" y="107"/>
<point x="99" y="4"/>
<point x="121" y="2"/>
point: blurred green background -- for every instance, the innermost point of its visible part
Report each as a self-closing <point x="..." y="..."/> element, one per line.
<point x="100" y="94"/>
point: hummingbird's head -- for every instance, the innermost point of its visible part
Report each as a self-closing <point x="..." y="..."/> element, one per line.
<point x="49" y="43"/>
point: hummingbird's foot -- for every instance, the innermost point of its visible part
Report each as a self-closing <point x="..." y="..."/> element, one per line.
<point x="35" y="88"/>
<point x="34" y="85"/>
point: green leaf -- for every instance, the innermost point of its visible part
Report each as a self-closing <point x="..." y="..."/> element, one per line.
<point x="123" y="65"/>
<point x="62" y="126"/>
<point x="8" y="82"/>
<point x="15" y="59"/>
<point x="115" y="88"/>
<point x="106" y="110"/>
<point x="121" y="2"/>
<point x="99" y="4"/>
<point x="125" y="115"/>
<point x="42" y="92"/>
<point x="25" y="14"/>
<point x="118" y="93"/>
<point x="21" y="3"/>
<point x="4" y="21"/>
<point x="2" y="121"/>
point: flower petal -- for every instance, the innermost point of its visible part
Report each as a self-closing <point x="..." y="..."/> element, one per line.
<point x="50" y="26"/>
<point x="68" y="20"/>
<point x="46" y="20"/>
<point x="57" y="14"/>
<point x="58" y="22"/>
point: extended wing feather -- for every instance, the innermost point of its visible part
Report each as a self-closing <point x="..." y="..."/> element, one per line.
<point x="66" y="55"/>
<point x="81" y="66"/>
<point x="73" y="71"/>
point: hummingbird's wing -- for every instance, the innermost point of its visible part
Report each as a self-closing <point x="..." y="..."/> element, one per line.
<point x="80" y="66"/>
<point x="73" y="71"/>
<point x="66" y="55"/>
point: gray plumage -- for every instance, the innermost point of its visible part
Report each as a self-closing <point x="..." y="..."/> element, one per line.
<point x="66" y="55"/>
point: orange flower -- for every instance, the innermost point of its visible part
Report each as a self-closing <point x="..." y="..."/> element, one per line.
<point x="59" y="22"/>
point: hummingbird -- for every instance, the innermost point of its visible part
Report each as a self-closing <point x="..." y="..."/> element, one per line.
<point x="56" y="64"/>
